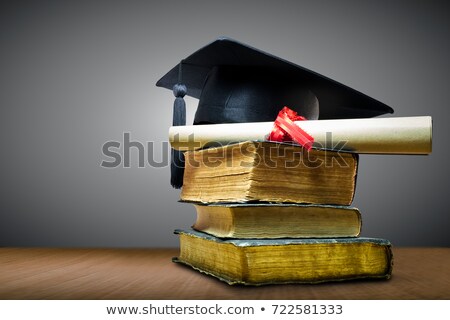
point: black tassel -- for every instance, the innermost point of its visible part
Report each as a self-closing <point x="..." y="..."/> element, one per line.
<point x="179" y="119"/>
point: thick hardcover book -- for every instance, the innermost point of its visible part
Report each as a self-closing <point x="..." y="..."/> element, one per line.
<point x="260" y="262"/>
<point x="277" y="221"/>
<point x="271" y="172"/>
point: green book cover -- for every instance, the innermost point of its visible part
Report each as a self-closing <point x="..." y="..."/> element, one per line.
<point x="272" y="261"/>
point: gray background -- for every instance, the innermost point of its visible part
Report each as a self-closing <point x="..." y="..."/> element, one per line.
<point x="74" y="75"/>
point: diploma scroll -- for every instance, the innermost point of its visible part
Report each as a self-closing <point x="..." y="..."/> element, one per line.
<point x="401" y="135"/>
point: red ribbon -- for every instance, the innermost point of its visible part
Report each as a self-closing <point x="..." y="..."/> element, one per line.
<point x="285" y="129"/>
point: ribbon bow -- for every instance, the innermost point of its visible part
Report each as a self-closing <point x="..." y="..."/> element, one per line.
<point x="285" y="129"/>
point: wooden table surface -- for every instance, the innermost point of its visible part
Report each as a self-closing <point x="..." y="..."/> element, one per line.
<point x="50" y="273"/>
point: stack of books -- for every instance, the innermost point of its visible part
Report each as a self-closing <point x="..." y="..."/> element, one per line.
<point x="275" y="213"/>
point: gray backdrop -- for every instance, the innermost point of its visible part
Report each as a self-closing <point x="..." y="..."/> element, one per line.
<point x="74" y="75"/>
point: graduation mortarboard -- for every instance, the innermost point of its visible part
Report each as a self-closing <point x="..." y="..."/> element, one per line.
<point x="237" y="83"/>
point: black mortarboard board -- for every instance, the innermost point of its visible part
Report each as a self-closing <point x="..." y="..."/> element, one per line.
<point x="237" y="83"/>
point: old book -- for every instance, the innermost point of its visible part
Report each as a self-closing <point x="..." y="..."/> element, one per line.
<point x="277" y="221"/>
<point x="272" y="172"/>
<point x="259" y="262"/>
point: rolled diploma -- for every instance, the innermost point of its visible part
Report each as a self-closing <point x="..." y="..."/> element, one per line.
<point x="401" y="135"/>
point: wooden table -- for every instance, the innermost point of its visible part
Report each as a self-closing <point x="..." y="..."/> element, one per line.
<point x="50" y="273"/>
